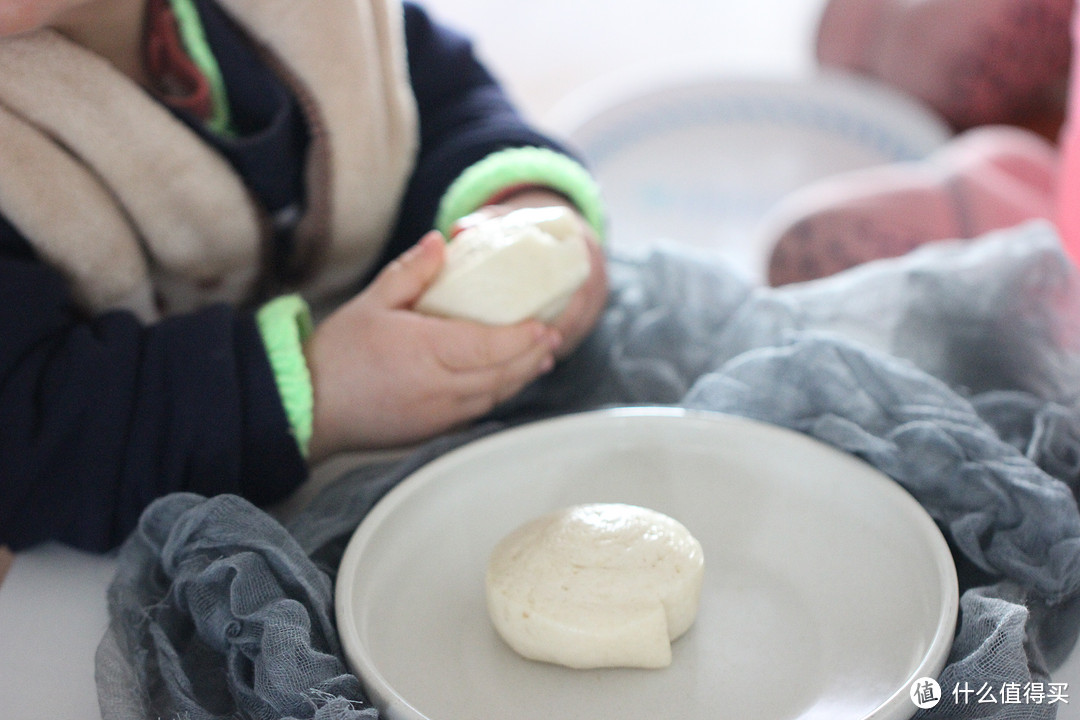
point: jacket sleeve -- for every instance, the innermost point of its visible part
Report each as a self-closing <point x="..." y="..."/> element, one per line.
<point x="464" y="116"/>
<point x="102" y="415"/>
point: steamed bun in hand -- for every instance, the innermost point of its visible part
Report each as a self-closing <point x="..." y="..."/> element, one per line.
<point x="525" y="264"/>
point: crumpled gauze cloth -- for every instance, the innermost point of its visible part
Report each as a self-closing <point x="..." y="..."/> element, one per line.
<point x="955" y="370"/>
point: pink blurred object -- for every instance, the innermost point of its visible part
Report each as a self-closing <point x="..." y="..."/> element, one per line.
<point x="976" y="62"/>
<point x="1068" y="191"/>
<point x="985" y="179"/>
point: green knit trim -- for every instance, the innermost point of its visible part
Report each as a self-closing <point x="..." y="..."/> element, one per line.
<point x="285" y="323"/>
<point x="516" y="166"/>
<point x="198" y="48"/>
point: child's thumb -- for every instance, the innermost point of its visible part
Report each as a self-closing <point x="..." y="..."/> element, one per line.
<point x="402" y="282"/>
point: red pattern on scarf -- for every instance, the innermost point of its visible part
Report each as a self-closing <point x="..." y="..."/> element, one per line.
<point x="175" y="79"/>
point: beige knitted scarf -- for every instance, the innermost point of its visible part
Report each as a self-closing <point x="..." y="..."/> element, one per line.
<point x="139" y="213"/>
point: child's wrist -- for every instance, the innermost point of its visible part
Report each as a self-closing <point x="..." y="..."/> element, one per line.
<point x="508" y="172"/>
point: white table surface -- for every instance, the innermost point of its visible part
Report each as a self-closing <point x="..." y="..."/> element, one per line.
<point x="52" y="615"/>
<point x="52" y="602"/>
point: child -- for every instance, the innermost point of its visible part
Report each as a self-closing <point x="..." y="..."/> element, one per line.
<point x="997" y="70"/>
<point x="178" y="180"/>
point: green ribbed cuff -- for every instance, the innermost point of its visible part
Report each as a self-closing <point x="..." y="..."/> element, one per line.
<point x="285" y="323"/>
<point x="518" y="166"/>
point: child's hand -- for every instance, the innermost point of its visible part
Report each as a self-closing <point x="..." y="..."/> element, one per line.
<point x="585" y="307"/>
<point x="384" y="375"/>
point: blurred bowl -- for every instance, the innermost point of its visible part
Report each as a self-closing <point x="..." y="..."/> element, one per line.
<point x="700" y="159"/>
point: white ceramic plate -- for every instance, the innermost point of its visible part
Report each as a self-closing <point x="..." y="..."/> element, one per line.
<point x="700" y="160"/>
<point x="828" y="589"/>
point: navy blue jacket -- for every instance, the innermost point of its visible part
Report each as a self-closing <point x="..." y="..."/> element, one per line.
<point x="100" y="415"/>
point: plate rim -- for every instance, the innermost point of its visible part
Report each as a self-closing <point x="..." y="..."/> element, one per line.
<point x="382" y="693"/>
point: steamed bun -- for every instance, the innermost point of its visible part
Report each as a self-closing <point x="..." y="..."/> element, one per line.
<point x="598" y="585"/>
<point x="525" y="264"/>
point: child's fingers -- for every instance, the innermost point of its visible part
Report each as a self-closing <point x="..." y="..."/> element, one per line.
<point x="403" y="281"/>
<point x="483" y="389"/>
<point x="462" y="346"/>
<point x="585" y="307"/>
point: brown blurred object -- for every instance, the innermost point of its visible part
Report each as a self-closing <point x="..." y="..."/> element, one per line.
<point x="976" y="62"/>
<point x="6" y="558"/>
<point x="985" y="179"/>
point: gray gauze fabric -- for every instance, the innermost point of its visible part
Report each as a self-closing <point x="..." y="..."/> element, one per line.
<point x="954" y="370"/>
